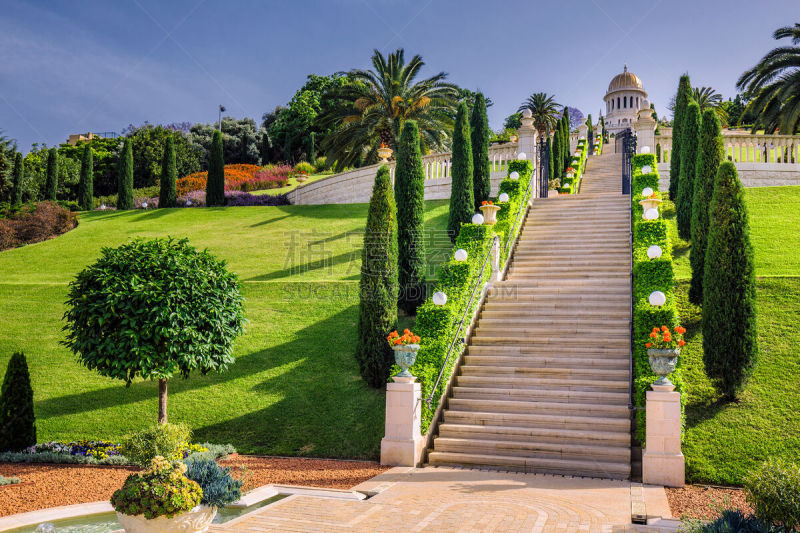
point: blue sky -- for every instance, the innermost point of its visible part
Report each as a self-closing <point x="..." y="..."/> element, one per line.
<point x="70" y="67"/>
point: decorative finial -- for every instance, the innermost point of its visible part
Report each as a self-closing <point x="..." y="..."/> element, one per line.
<point x="626" y="68"/>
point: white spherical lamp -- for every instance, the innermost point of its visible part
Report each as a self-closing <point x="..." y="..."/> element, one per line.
<point x="477" y="219"/>
<point x="461" y="254"/>
<point x="654" y="251"/>
<point x="514" y="175"/>
<point x="647" y="191"/>
<point x="522" y="156"/>
<point x="646" y="169"/>
<point x="645" y="150"/>
<point x="650" y="214"/>
<point x="144" y="205"/>
<point x="188" y="203"/>
<point x="656" y="298"/>
<point x="439" y="298"/>
<point x="503" y="197"/>
<point x="103" y="206"/>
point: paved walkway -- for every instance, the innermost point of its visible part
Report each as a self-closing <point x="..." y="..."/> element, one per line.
<point x="451" y="499"/>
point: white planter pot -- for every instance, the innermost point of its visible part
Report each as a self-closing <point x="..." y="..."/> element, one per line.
<point x="195" y="521"/>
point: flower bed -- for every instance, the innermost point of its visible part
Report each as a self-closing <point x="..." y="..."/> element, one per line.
<point x="100" y="452"/>
<point x="650" y="275"/>
<point x="239" y="177"/>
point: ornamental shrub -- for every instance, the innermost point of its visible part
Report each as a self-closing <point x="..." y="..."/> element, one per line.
<point x="35" y="223"/>
<point x="168" y="196"/>
<point x="16" y="181"/>
<point x="462" y="198"/>
<point x="729" y="313"/>
<point x="164" y="440"/>
<point x="86" y="183"/>
<point x="555" y="155"/>
<point x="162" y="490"/>
<point x="125" y="176"/>
<point x="215" y="186"/>
<point x="378" y="284"/>
<point x="773" y="491"/>
<point x="409" y="193"/>
<point x="51" y="185"/>
<point x="681" y="102"/>
<point x="306" y="167"/>
<point x="551" y="161"/>
<point x="479" y="123"/>
<point x="709" y="157"/>
<point x="154" y="309"/>
<point x="219" y="487"/>
<point x="17" y="420"/>
<point x="730" y="521"/>
<point x="690" y="136"/>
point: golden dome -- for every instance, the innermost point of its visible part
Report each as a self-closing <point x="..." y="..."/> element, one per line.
<point x="625" y="80"/>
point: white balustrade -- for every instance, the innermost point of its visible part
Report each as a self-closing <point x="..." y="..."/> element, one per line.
<point x="748" y="148"/>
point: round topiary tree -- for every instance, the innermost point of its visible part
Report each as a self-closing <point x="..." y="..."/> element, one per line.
<point x="17" y="420"/>
<point x="729" y="289"/>
<point x="215" y="184"/>
<point x="479" y="122"/>
<point x="51" y="185"/>
<point x="681" y="101"/>
<point x="378" y="285"/>
<point x="709" y="157"/>
<point x="690" y="137"/>
<point x="462" y="197"/>
<point x="154" y="309"/>
<point x="168" y="196"/>
<point x="86" y="183"/>
<point x="125" y="176"/>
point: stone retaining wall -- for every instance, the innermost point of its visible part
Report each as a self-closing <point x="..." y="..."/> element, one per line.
<point x="751" y="174"/>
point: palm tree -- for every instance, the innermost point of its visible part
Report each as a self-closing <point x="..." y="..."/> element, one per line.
<point x="708" y="98"/>
<point x="545" y="112"/>
<point x="373" y="107"/>
<point x="775" y="82"/>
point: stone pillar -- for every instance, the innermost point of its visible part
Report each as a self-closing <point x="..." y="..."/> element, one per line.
<point x="527" y="136"/>
<point x="662" y="460"/>
<point x="645" y="128"/>
<point x="403" y="443"/>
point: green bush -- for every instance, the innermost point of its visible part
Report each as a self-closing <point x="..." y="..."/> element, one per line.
<point x="321" y="162"/>
<point x="479" y="123"/>
<point x="168" y="195"/>
<point x="86" y="183"/>
<point x="165" y="440"/>
<point x="17" y="419"/>
<point x="219" y="487"/>
<point x="690" y="137"/>
<point x="773" y="491"/>
<point x="124" y="199"/>
<point x="215" y="184"/>
<point x="8" y="480"/>
<point x="378" y="285"/>
<point x="462" y="197"/>
<point x="306" y="167"/>
<point x="681" y="101"/>
<point x="729" y="313"/>
<point x="730" y="521"/>
<point x="162" y="490"/>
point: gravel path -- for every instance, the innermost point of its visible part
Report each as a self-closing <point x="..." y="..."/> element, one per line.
<point x="699" y="501"/>
<point x="48" y="485"/>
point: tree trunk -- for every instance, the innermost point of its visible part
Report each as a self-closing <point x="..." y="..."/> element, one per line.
<point x="162" y="401"/>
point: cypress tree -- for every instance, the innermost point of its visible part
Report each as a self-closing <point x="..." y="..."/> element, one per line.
<point x="125" y="177"/>
<point x="86" y="183"/>
<point x="589" y="132"/>
<point x="709" y="157"/>
<point x="312" y="148"/>
<point x="16" y="183"/>
<point x="555" y="153"/>
<point x="168" y="197"/>
<point x="378" y="285"/>
<point x="730" y="345"/>
<point x="551" y="170"/>
<point x="409" y="192"/>
<point x="480" y="151"/>
<point x="565" y="146"/>
<point x="462" y="198"/>
<point x="51" y="185"/>
<point x="17" y="420"/>
<point x="215" y="185"/>
<point x="690" y="134"/>
<point x="681" y="101"/>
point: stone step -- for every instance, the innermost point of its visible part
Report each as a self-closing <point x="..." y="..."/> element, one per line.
<point x="557" y="307"/>
<point x="561" y="268"/>
<point x="516" y="382"/>
<point x="620" y="261"/>
<point x="487" y="393"/>
<point x="497" y="309"/>
<point x="542" y="295"/>
<point x="536" y="321"/>
<point x="585" y="373"/>
<point x="568" y="350"/>
<point x="533" y="449"/>
<point x="490" y="418"/>
<point x="548" y="255"/>
<point x="568" y="282"/>
<point x="538" y="407"/>
<point x="612" y="332"/>
<point x="549" y="435"/>
<point x="533" y="465"/>
<point x="524" y="276"/>
<point x="510" y="286"/>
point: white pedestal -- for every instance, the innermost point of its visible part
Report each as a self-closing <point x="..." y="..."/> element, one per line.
<point x="662" y="460"/>
<point x="403" y="444"/>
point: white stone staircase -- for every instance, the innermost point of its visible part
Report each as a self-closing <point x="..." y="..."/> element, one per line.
<point x="544" y="384"/>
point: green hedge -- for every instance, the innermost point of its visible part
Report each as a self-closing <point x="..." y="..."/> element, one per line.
<point x="438" y="325"/>
<point x="571" y="185"/>
<point x="650" y="275"/>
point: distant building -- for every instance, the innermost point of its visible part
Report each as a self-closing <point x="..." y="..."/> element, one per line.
<point x="78" y="137"/>
<point x="624" y="98"/>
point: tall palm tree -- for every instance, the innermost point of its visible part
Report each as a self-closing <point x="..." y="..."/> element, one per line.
<point x="775" y="82"/>
<point x="373" y="107"/>
<point x="545" y="111"/>
<point x="708" y="98"/>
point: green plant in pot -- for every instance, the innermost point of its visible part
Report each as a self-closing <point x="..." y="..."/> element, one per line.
<point x="405" y="348"/>
<point x="219" y="487"/>
<point x="663" y="350"/>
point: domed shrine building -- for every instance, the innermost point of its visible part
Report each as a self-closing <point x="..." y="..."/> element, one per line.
<point x="625" y="96"/>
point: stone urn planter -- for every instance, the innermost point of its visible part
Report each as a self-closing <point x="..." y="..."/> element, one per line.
<point x="195" y="521"/>
<point x="405" y="355"/>
<point x="662" y="363"/>
<point x="490" y="214"/>
<point x="301" y="177"/>
<point x="384" y="152"/>
<point x="650" y="203"/>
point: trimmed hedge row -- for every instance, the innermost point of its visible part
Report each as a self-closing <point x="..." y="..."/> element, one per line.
<point x="437" y="325"/>
<point x="650" y="275"/>
<point x="570" y="185"/>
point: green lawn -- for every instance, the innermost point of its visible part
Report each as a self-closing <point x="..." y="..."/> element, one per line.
<point x="295" y="388"/>
<point x="293" y="183"/>
<point x="724" y="441"/>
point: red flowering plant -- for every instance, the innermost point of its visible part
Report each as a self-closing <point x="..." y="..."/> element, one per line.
<point x="407" y="337"/>
<point x="664" y="339"/>
<point x="570" y="169"/>
<point x="487" y="202"/>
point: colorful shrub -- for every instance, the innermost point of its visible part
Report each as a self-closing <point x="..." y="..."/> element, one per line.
<point x="239" y="177"/>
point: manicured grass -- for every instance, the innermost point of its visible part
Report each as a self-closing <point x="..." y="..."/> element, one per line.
<point x="726" y="441"/>
<point x="293" y="183"/>
<point x="295" y="387"/>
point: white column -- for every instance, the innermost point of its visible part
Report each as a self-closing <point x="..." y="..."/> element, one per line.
<point x="403" y="444"/>
<point x="527" y="137"/>
<point x="645" y="128"/>
<point x="662" y="460"/>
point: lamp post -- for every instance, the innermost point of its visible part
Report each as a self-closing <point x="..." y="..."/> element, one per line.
<point x="544" y="162"/>
<point x="221" y="111"/>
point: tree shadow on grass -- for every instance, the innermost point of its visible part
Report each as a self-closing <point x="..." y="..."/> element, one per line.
<point x="152" y="214"/>
<point x="327" y="211"/>
<point x="323" y="263"/>
<point x="269" y="221"/>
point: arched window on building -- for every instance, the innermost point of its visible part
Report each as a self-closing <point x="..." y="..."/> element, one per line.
<point x="637" y="102"/>
<point x="617" y="102"/>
